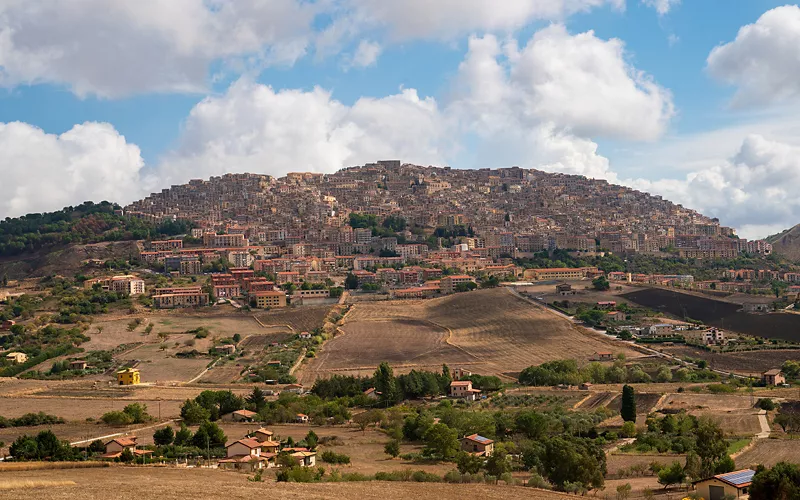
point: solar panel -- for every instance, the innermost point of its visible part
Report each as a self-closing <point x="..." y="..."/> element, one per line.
<point x="738" y="477"/>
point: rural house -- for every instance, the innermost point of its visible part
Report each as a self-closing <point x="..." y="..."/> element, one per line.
<point x="564" y="289"/>
<point x="773" y="377"/>
<point x="371" y="393"/>
<point x="77" y="364"/>
<point x="116" y="446"/>
<point x="240" y="416"/>
<point x="615" y="316"/>
<point x="463" y="389"/>
<point x="295" y="388"/>
<point x="16" y="358"/>
<point x="604" y="356"/>
<point x="128" y="376"/>
<point x="263" y="434"/>
<point x="731" y="485"/>
<point x="243" y="447"/>
<point x="477" y="445"/>
<point x="301" y="418"/>
<point x="305" y="458"/>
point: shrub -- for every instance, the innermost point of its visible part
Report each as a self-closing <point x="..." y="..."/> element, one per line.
<point x="392" y="448"/>
<point x="766" y="404"/>
<point x="332" y="457"/>
<point x="116" y="418"/>
<point x="355" y="476"/>
<point x="452" y="476"/>
<point x="720" y="388"/>
<point x="537" y="481"/>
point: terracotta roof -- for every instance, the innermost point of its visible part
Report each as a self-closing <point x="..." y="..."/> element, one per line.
<point x="249" y="442"/>
<point x="124" y="441"/>
<point x="479" y="439"/>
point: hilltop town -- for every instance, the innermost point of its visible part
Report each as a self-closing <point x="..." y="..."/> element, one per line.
<point x="394" y="322"/>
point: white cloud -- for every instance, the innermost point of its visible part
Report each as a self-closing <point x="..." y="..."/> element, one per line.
<point x="447" y="19"/>
<point x="754" y="190"/>
<point x="112" y="48"/>
<point x="253" y="128"/>
<point x="762" y="62"/>
<point x="45" y="172"/>
<point x="661" y="6"/>
<point x="578" y="83"/>
<point x="366" y="54"/>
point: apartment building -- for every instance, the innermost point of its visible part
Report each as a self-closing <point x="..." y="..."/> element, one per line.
<point x="270" y="299"/>
<point x="168" y="298"/>
<point x="449" y="284"/>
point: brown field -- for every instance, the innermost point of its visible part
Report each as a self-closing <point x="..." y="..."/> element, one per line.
<point x="158" y="483"/>
<point x="72" y="408"/>
<point x="716" y="402"/>
<point x="769" y="452"/>
<point x="750" y="362"/>
<point x="300" y="319"/>
<point x="617" y="461"/>
<point x="644" y="402"/>
<point x="737" y="423"/>
<point x="157" y="365"/>
<point x="488" y="331"/>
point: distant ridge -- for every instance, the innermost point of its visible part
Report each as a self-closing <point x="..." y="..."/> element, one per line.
<point x="787" y="243"/>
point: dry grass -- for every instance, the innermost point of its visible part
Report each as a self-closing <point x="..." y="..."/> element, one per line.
<point x="488" y="331"/>
<point x="29" y="466"/>
<point x="768" y="452"/>
<point x="149" y="483"/>
<point x="29" y="483"/>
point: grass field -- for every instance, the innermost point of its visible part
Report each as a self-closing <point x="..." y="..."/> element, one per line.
<point x="176" y="483"/>
<point x="488" y="331"/>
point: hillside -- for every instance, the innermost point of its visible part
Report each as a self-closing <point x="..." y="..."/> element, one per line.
<point x="787" y="243"/>
<point x="57" y="242"/>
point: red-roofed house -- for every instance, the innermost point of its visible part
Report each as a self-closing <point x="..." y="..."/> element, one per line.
<point x="463" y="389"/>
<point x="477" y="445"/>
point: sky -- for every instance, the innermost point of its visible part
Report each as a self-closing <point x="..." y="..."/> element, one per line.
<point x="694" y="100"/>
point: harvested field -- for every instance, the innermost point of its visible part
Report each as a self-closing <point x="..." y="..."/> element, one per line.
<point x="769" y="452"/>
<point x="488" y="331"/>
<point x="644" y="402"/>
<point x="736" y="423"/>
<point x="300" y="319"/>
<point x="716" y="402"/>
<point x="718" y="313"/>
<point x="596" y="401"/>
<point x="166" y="483"/>
<point x="747" y="363"/>
<point x="81" y="408"/>
<point x="157" y="365"/>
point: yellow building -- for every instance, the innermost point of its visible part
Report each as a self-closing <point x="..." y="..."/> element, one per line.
<point x="272" y="298"/>
<point x="16" y="358"/>
<point x="731" y="485"/>
<point x="128" y="376"/>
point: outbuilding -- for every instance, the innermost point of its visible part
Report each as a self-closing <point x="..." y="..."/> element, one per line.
<point x="730" y="485"/>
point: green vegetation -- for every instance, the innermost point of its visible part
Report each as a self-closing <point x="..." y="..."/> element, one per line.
<point x="134" y="413"/>
<point x="781" y="481"/>
<point x="332" y="457"/>
<point x="86" y="223"/>
<point x="30" y="420"/>
<point x="415" y="384"/>
<point x="628" y="410"/>
<point x="44" y="446"/>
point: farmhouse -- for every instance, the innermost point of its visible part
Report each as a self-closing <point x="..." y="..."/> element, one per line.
<point x="240" y="416"/>
<point x="607" y="305"/>
<point x="226" y="348"/>
<point x="773" y="377"/>
<point x="463" y="389"/>
<point x="371" y="393"/>
<point x="128" y="376"/>
<point x="243" y="447"/>
<point x="301" y="418"/>
<point x="477" y="445"/>
<point x="305" y="458"/>
<point x="604" y="356"/>
<point x="662" y="330"/>
<point x="263" y="434"/>
<point x="615" y="316"/>
<point x="731" y="485"/>
<point x="116" y="446"/>
<point x="304" y="335"/>
<point x="16" y="358"/>
<point x="244" y="454"/>
<point x="564" y="289"/>
<point x="77" y="364"/>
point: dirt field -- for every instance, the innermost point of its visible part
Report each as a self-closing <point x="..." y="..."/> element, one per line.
<point x="616" y="461"/>
<point x="300" y="319"/>
<point x="746" y="363"/>
<point x="175" y="483"/>
<point x="769" y="452"/>
<point x="487" y="331"/>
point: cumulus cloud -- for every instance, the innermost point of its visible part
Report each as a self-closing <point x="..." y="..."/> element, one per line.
<point x="113" y="48"/>
<point x="539" y="106"/>
<point x="366" y="54"/>
<point x="661" y="6"/>
<point x="754" y="190"/>
<point x="762" y="62"/>
<point x="45" y="172"/>
<point x="254" y="128"/>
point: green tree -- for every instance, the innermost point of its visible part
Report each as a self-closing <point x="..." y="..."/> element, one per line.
<point x="441" y="441"/>
<point x="693" y="469"/>
<point x="392" y="448"/>
<point x="127" y="456"/>
<point x="210" y="435"/>
<point x="664" y="374"/>
<point x="183" y="437"/>
<point x="192" y="413"/>
<point x="164" y="436"/>
<point x="628" y="410"/>
<point x="712" y="446"/>
<point x="498" y="463"/>
<point x="311" y="439"/>
<point x="673" y="474"/>
<point x="138" y="413"/>
<point x="385" y="383"/>
<point x="351" y="282"/>
<point x="628" y="429"/>
<point x="781" y="482"/>
<point x="468" y="463"/>
<point x="257" y="399"/>
<point x="601" y="283"/>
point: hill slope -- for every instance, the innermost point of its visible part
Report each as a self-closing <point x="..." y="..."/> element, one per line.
<point x="787" y="243"/>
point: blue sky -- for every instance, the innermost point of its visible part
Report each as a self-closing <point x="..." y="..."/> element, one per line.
<point x="117" y="99"/>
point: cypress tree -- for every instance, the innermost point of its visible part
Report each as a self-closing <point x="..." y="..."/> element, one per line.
<point x="628" y="410"/>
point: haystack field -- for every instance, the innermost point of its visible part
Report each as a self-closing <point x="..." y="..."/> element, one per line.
<point x="146" y="483"/>
<point x="492" y="332"/>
